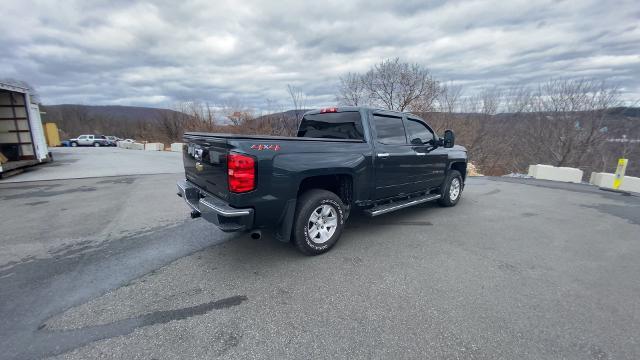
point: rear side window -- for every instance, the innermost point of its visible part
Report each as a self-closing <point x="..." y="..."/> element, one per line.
<point x="417" y="132"/>
<point x="341" y="125"/>
<point x="390" y="129"/>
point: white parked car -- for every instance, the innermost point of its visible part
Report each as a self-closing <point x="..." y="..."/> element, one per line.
<point x="113" y="140"/>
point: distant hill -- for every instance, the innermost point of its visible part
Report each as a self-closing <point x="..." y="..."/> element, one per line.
<point x="626" y="111"/>
<point x="141" y="122"/>
<point x="113" y="112"/>
<point x="121" y="121"/>
<point x="134" y="121"/>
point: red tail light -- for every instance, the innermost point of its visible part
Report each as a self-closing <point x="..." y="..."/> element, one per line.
<point x="241" y="173"/>
<point x="328" y="110"/>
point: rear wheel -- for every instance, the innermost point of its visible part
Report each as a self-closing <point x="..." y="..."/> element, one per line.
<point x="96" y="144"/>
<point x="319" y="221"/>
<point x="451" y="189"/>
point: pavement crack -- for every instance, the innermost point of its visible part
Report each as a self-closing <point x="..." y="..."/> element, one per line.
<point x="492" y="192"/>
<point x="75" y="338"/>
<point x="392" y="223"/>
<point x="124" y="180"/>
<point x="47" y="193"/>
<point x="162" y="317"/>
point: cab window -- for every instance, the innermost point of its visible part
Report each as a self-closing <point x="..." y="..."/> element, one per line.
<point x="390" y="129"/>
<point x="417" y="132"/>
<point x="332" y="125"/>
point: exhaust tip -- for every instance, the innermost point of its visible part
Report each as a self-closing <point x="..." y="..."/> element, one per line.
<point x="195" y="214"/>
<point x="256" y="234"/>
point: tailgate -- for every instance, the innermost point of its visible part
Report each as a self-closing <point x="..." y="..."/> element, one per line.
<point x="205" y="163"/>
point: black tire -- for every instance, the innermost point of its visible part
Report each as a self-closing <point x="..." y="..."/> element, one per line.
<point x="446" y="199"/>
<point x="308" y="203"/>
<point x="74" y="144"/>
<point x="96" y="144"/>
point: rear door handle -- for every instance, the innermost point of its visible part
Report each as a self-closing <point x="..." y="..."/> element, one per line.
<point x="383" y="155"/>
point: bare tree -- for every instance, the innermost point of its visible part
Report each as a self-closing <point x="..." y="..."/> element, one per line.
<point x="448" y="104"/>
<point x="171" y="125"/>
<point x="351" y="90"/>
<point x="298" y="100"/>
<point x="568" y="121"/>
<point x="401" y="86"/>
<point x="236" y="112"/>
<point x="449" y="98"/>
<point x="478" y="130"/>
<point x="278" y="121"/>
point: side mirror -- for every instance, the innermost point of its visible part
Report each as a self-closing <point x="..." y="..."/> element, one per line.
<point x="449" y="138"/>
<point x="416" y="141"/>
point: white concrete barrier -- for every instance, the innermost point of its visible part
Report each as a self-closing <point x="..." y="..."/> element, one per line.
<point x="154" y="146"/>
<point x="605" y="180"/>
<point x="630" y="183"/>
<point x="548" y="172"/>
<point x="135" y="146"/>
<point x="177" y="147"/>
<point x="602" y="179"/>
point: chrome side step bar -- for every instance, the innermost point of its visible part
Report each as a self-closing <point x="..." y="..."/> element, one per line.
<point x="397" y="205"/>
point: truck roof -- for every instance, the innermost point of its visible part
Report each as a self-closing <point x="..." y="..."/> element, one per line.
<point x="358" y="108"/>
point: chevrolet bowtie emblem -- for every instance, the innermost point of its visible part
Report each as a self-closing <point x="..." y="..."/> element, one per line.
<point x="199" y="166"/>
<point x="198" y="154"/>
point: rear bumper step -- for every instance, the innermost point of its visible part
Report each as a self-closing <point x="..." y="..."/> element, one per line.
<point x="214" y="209"/>
<point x="397" y="205"/>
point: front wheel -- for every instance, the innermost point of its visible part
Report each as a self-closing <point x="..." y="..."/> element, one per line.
<point x="319" y="221"/>
<point x="451" y="190"/>
<point x="74" y="144"/>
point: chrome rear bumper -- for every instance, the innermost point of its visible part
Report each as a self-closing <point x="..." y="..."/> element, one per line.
<point x="214" y="209"/>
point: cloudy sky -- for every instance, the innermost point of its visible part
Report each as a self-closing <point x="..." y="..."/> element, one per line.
<point x="163" y="52"/>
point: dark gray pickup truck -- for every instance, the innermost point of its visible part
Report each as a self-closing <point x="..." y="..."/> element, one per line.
<point x="303" y="188"/>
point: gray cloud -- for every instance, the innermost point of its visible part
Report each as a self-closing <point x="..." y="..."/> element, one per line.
<point x="162" y="52"/>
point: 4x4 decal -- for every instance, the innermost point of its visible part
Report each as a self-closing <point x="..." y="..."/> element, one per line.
<point x="260" y="147"/>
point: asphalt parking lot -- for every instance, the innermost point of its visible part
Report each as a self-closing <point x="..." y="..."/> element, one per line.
<point x="520" y="269"/>
<point x="85" y="162"/>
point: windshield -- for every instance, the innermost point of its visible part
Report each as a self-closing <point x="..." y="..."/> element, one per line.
<point x="340" y="125"/>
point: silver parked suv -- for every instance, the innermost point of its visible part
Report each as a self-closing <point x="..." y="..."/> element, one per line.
<point x="90" y="140"/>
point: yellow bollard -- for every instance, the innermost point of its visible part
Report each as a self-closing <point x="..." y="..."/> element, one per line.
<point x="622" y="166"/>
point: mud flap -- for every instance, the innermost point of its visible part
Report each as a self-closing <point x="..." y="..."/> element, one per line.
<point x="286" y="221"/>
